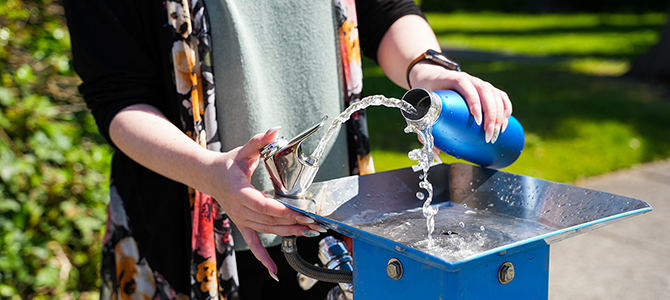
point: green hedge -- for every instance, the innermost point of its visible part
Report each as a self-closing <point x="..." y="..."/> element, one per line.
<point x="52" y="165"/>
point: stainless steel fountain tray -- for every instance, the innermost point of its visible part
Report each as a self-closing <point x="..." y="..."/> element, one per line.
<point x="349" y="204"/>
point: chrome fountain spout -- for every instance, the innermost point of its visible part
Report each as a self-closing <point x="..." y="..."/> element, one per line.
<point x="291" y="171"/>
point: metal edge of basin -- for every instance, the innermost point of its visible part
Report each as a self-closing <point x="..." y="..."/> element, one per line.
<point x="570" y="210"/>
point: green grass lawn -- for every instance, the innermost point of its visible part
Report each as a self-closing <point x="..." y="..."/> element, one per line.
<point x="562" y="73"/>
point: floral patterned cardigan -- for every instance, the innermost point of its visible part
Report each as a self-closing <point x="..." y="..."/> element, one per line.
<point x="163" y="240"/>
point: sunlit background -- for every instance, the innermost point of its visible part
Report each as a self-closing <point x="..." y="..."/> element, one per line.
<point x="563" y="64"/>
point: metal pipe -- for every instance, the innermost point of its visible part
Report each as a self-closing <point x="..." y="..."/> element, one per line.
<point x="290" y="249"/>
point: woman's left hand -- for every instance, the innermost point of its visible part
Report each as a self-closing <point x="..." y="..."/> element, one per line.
<point x="483" y="99"/>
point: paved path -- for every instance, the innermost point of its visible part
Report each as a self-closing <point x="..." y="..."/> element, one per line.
<point x="629" y="259"/>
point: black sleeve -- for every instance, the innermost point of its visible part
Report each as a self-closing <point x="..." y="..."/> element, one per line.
<point x="121" y="51"/>
<point x="376" y="16"/>
<point x="116" y="52"/>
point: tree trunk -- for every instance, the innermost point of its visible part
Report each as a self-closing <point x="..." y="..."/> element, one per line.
<point x="655" y="64"/>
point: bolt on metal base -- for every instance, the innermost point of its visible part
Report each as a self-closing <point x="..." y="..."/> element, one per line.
<point x="394" y="269"/>
<point x="506" y="273"/>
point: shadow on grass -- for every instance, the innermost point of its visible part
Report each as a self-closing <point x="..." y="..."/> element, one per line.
<point x="626" y="40"/>
<point x="597" y="29"/>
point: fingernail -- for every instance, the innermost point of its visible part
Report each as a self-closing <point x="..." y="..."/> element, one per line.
<point x="304" y="220"/>
<point x="504" y="126"/>
<point x="274" y="276"/>
<point x="478" y="119"/>
<point x="318" y="228"/>
<point x="495" y="136"/>
<point x="477" y="114"/>
<point x="272" y="130"/>
<point x="310" y="233"/>
<point x="488" y="136"/>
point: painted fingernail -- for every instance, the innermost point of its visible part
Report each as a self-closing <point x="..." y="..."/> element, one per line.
<point x="488" y="136"/>
<point x="274" y="276"/>
<point x="495" y="136"/>
<point x="318" y="228"/>
<point x="304" y="220"/>
<point x="310" y="233"/>
<point x="272" y="130"/>
<point x="477" y="114"/>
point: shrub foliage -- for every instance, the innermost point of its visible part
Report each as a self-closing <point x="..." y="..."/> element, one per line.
<point x="52" y="162"/>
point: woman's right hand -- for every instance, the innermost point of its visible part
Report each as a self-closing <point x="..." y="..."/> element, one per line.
<point x="250" y="209"/>
<point x="143" y="133"/>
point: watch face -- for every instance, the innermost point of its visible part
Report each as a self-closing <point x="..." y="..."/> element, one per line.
<point x="442" y="60"/>
<point x="440" y="56"/>
<point x="434" y="53"/>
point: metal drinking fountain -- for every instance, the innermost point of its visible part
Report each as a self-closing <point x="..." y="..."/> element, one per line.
<point x="514" y="266"/>
<point x="290" y="170"/>
<point x="517" y="218"/>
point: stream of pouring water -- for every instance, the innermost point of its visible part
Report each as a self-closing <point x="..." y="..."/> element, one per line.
<point x="424" y="156"/>
<point x="376" y="100"/>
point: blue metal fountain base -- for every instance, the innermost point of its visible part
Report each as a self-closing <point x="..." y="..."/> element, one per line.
<point x="477" y="279"/>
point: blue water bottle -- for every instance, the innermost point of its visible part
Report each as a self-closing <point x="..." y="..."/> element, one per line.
<point x="456" y="132"/>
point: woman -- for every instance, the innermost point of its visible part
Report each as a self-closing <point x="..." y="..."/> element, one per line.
<point x="176" y="87"/>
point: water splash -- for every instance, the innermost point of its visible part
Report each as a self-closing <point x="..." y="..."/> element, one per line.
<point x="453" y="241"/>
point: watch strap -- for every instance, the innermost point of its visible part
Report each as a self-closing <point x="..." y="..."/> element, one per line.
<point x="435" y="58"/>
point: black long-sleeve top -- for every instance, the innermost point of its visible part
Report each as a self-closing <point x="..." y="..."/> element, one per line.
<point x="121" y="51"/>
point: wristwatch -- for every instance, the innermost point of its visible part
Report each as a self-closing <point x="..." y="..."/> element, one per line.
<point x="436" y="58"/>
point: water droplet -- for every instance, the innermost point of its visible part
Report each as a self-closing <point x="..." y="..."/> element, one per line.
<point x="465" y="205"/>
<point x="369" y="196"/>
<point x="420" y="195"/>
<point x="461" y="224"/>
<point x="482" y="228"/>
